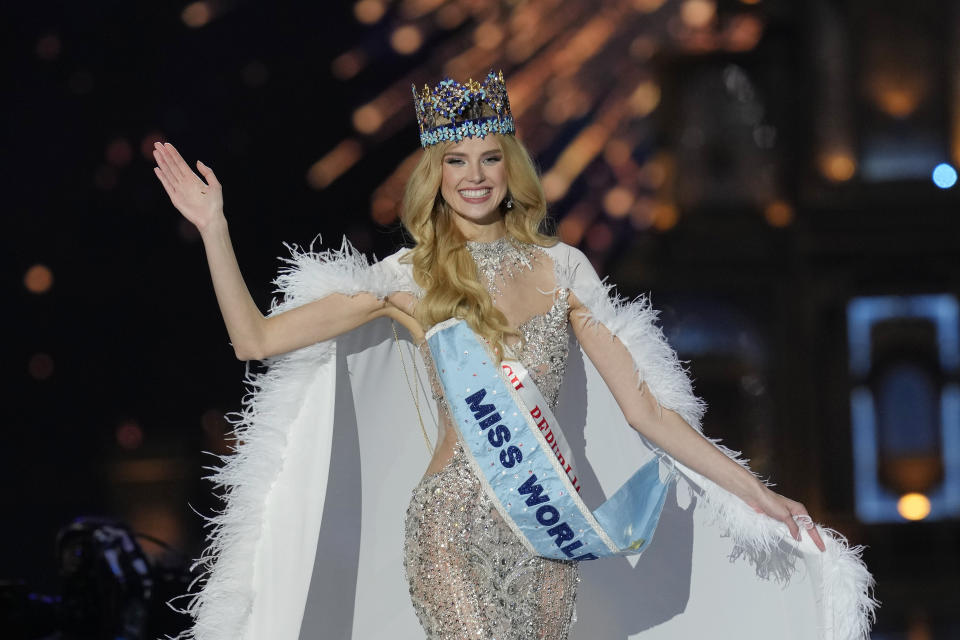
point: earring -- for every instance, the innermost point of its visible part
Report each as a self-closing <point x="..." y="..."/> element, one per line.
<point x="509" y="203"/>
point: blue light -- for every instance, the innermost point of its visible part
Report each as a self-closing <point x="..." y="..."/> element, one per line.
<point x="874" y="502"/>
<point x="944" y="176"/>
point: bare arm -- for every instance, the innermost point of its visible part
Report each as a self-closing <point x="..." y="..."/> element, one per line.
<point x="669" y="431"/>
<point x="253" y="336"/>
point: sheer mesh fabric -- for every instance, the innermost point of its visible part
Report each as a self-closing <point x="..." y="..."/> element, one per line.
<point x="469" y="575"/>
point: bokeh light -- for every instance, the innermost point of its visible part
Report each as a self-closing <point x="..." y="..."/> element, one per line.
<point x="48" y="47"/>
<point x="159" y="521"/>
<point x="38" y="279"/>
<point x="488" y="35"/>
<point x="119" y="152"/>
<point x="944" y="175"/>
<point x="197" y="14"/>
<point x="617" y="152"/>
<point x="599" y="237"/>
<point x="334" y="163"/>
<point x="838" y="166"/>
<point x="665" y="216"/>
<point x="40" y="366"/>
<point x="617" y="202"/>
<point x="697" y="14"/>
<point x="567" y="104"/>
<point x="896" y="93"/>
<point x="146" y="144"/>
<point x="367" y="119"/>
<point x="653" y="174"/>
<point x="642" y="48"/>
<point x="642" y="213"/>
<point x="129" y="435"/>
<point x="406" y="39"/>
<point x="555" y="186"/>
<point x="347" y="65"/>
<point x="383" y="210"/>
<point x="778" y="213"/>
<point x="645" y="98"/>
<point x="369" y="11"/>
<point x="913" y="506"/>
<point x="896" y="102"/>
<point x="571" y="230"/>
<point x="554" y="94"/>
<point x="743" y="32"/>
<point x="450" y="16"/>
<point x="647" y="6"/>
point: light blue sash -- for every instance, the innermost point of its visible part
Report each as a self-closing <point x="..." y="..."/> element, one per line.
<point x="515" y="445"/>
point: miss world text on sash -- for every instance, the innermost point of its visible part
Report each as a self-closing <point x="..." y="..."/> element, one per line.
<point x="517" y="449"/>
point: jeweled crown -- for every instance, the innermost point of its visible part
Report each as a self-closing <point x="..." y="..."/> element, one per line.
<point x="454" y="111"/>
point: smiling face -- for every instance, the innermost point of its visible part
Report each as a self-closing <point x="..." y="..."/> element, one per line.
<point x="474" y="184"/>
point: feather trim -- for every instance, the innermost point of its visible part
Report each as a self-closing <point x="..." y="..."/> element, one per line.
<point x="310" y="275"/>
<point x="848" y="586"/>
<point x="849" y="606"/>
<point x="221" y="608"/>
<point x="634" y="324"/>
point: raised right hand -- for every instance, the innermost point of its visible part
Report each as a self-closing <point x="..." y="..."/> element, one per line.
<point x="200" y="202"/>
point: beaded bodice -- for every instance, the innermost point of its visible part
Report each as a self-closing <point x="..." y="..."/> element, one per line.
<point x="544" y="351"/>
<point x="505" y="268"/>
<point x="518" y="276"/>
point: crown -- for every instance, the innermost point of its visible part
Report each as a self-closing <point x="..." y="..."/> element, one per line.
<point x="454" y="111"/>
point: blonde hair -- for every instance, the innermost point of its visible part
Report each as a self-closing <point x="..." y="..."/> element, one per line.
<point x="442" y="265"/>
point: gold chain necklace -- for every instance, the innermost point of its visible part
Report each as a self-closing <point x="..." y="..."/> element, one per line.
<point x="414" y="391"/>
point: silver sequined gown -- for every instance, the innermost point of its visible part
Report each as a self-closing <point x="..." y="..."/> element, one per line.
<point x="469" y="575"/>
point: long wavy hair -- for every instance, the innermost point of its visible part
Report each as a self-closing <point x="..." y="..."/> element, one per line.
<point x="442" y="264"/>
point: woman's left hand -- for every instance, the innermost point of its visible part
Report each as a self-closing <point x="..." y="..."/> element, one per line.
<point x="787" y="511"/>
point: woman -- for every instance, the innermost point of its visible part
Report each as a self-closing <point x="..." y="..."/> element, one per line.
<point x="474" y="207"/>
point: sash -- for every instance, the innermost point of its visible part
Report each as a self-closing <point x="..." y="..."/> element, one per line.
<point x="518" y="451"/>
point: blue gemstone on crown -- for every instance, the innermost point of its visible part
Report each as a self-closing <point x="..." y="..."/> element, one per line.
<point x="440" y="110"/>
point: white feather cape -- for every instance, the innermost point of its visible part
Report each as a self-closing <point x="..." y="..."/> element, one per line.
<point x="309" y="541"/>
